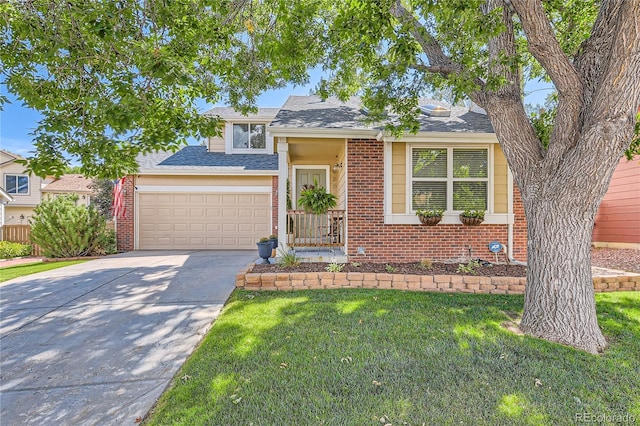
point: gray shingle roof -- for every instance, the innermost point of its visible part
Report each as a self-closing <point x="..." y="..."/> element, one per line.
<point x="196" y="157"/>
<point x="311" y="112"/>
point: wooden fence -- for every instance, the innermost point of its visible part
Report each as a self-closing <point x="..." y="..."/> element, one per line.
<point x="20" y="234"/>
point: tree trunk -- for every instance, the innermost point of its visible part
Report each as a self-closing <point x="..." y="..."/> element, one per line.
<point x="559" y="300"/>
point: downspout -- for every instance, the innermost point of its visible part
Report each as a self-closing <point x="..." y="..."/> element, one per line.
<point x="511" y="217"/>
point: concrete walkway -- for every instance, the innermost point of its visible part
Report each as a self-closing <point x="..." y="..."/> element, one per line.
<point x="98" y="342"/>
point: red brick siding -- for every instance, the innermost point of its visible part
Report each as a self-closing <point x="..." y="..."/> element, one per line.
<point x="403" y="243"/>
<point x="519" y="227"/>
<point x="124" y="226"/>
<point x="274" y="205"/>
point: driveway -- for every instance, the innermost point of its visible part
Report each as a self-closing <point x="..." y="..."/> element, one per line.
<point x="98" y="342"/>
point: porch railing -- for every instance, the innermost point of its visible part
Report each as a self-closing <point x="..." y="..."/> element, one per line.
<point x="315" y="230"/>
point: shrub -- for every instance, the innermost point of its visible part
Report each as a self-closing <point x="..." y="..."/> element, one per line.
<point x="10" y="249"/>
<point x="63" y="229"/>
<point x="426" y="263"/>
<point x="334" y="267"/>
<point x="288" y="259"/>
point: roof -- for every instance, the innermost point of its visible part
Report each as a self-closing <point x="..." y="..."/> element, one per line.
<point x="11" y="156"/>
<point x="228" y="113"/>
<point x="4" y="194"/>
<point x="311" y="112"/>
<point x="69" y="183"/>
<point x="196" y="158"/>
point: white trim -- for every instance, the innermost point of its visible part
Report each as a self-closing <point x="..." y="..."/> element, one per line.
<point x="346" y="196"/>
<point x="283" y="172"/>
<point x="511" y="214"/>
<point x="295" y="168"/>
<point x="316" y="132"/>
<point x="440" y="137"/>
<point x="228" y="138"/>
<point x="19" y="194"/>
<point x="196" y="189"/>
<point x="447" y="219"/>
<point x="209" y="171"/>
<point x="204" y="189"/>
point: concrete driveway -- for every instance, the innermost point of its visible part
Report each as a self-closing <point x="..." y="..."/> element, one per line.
<point x="98" y="342"/>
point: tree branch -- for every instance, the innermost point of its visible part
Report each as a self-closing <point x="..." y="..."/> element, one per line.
<point x="544" y="46"/>
<point x="436" y="69"/>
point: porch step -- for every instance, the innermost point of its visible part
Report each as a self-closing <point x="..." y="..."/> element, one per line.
<point x="315" y="255"/>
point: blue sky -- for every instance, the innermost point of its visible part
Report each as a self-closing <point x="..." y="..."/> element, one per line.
<point x="16" y="121"/>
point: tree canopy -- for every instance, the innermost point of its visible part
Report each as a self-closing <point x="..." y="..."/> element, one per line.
<point x="114" y="79"/>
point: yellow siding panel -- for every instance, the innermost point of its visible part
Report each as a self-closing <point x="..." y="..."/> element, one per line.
<point x="216" y="143"/>
<point x="398" y="177"/>
<point x="500" y="178"/>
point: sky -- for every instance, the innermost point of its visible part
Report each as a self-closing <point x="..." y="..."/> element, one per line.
<point x="17" y="121"/>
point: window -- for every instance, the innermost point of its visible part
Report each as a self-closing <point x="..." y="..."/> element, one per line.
<point x="16" y="184"/>
<point x="449" y="178"/>
<point x="249" y="136"/>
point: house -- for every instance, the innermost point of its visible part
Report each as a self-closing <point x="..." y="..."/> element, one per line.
<point x="5" y="198"/>
<point x="244" y="185"/>
<point x="618" y="219"/>
<point x="24" y="188"/>
<point x="70" y="184"/>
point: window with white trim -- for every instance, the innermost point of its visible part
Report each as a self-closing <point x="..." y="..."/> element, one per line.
<point x="16" y="184"/>
<point x="249" y="136"/>
<point x="449" y="178"/>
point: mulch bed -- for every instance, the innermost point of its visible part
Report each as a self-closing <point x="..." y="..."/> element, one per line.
<point x="401" y="268"/>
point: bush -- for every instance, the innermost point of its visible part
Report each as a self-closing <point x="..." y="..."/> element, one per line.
<point x="63" y="229"/>
<point x="9" y="250"/>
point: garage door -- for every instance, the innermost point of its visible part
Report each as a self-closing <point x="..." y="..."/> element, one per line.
<point x="202" y="221"/>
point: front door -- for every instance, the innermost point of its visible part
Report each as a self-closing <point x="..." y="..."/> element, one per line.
<point x="308" y="229"/>
<point x="309" y="177"/>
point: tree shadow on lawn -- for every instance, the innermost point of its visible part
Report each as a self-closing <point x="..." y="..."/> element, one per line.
<point x="355" y="356"/>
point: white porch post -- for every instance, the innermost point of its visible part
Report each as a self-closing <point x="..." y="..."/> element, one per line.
<point x="283" y="175"/>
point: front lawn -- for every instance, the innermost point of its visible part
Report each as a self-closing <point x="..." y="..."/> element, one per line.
<point x="371" y="357"/>
<point x="12" y="272"/>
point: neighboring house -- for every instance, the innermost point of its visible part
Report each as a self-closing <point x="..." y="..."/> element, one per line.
<point x="227" y="194"/>
<point x="618" y="219"/>
<point x="5" y="198"/>
<point x="24" y="188"/>
<point x="70" y="184"/>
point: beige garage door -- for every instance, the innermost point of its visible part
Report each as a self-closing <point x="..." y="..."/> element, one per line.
<point x="202" y="221"/>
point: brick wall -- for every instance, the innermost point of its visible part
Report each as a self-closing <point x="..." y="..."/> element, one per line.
<point x="433" y="283"/>
<point x="124" y="226"/>
<point x="404" y="243"/>
<point x="274" y="205"/>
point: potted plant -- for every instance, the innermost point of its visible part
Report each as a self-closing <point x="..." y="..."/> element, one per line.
<point x="472" y="217"/>
<point x="265" y="247"/>
<point x="273" y="239"/>
<point x="429" y="217"/>
<point x="315" y="199"/>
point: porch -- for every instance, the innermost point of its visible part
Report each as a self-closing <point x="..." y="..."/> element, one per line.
<point x="312" y="162"/>
<point x="317" y="237"/>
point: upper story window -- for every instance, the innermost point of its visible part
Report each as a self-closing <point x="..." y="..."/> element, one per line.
<point x="449" y="178"/>
<point x="16" y="184"/>
<point x="249" y="136"/>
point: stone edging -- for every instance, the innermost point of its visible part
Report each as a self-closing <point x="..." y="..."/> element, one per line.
<point x="434" y="283"/>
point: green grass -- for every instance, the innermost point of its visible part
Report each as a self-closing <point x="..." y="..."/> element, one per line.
<point x="12" y="272"/>
<point x="351" y="357"/>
